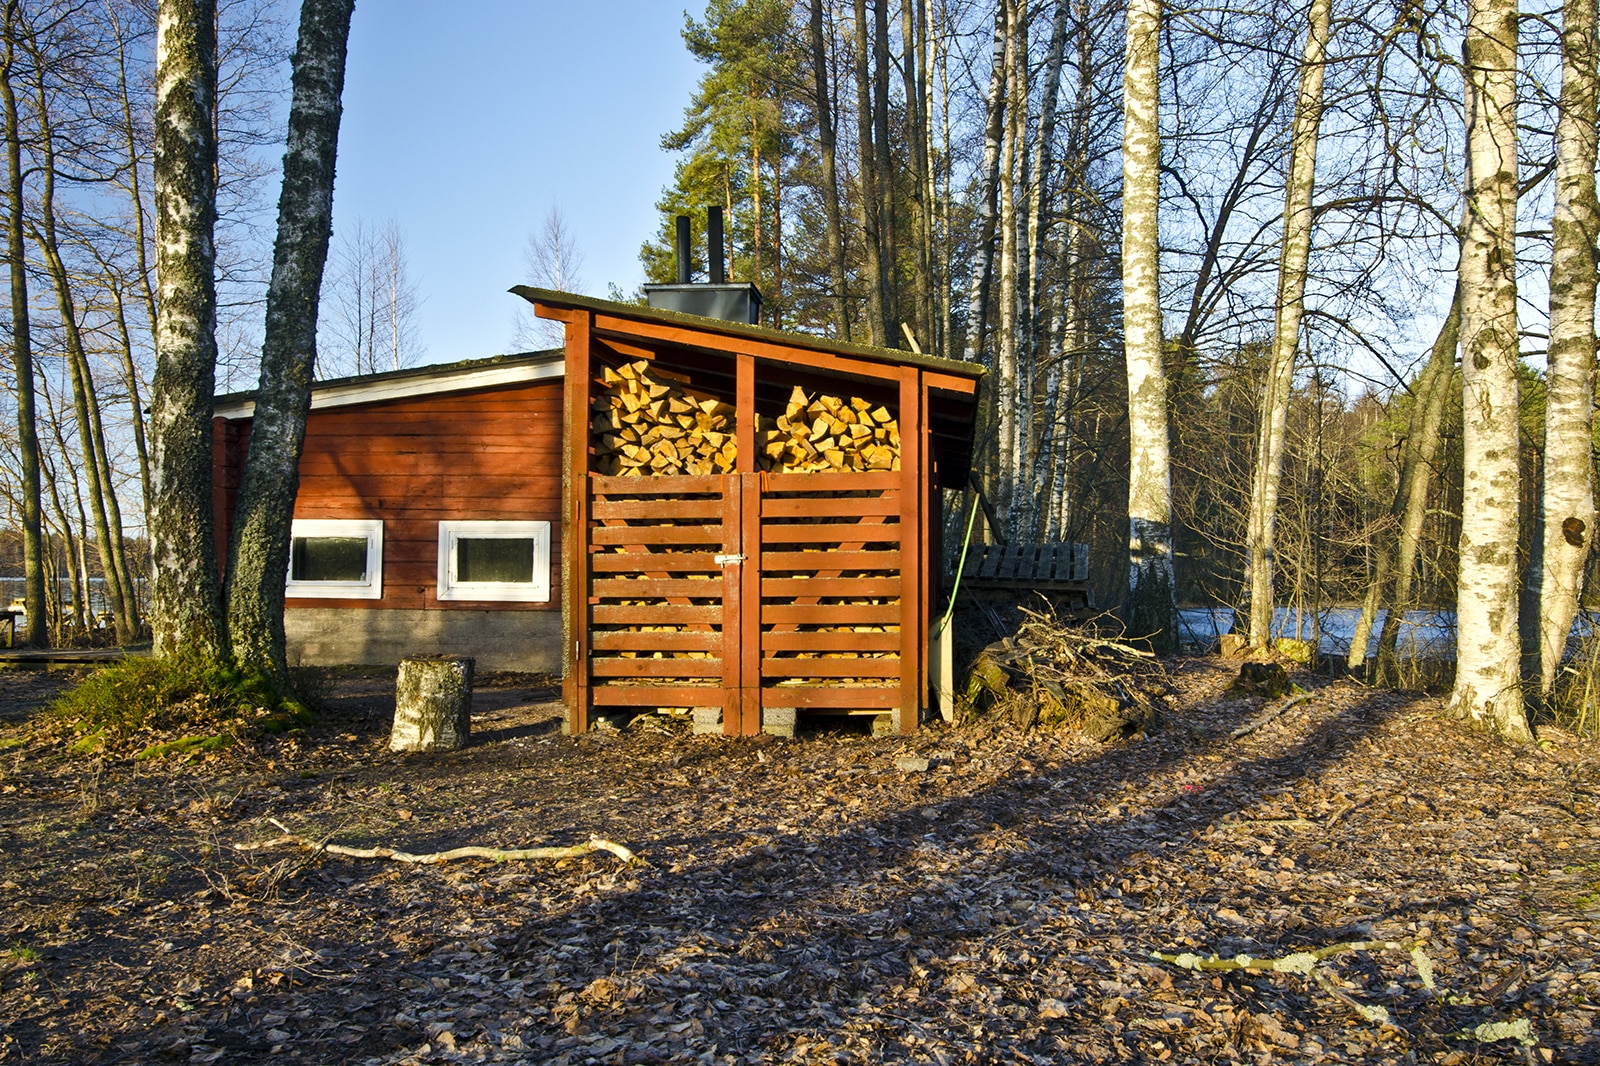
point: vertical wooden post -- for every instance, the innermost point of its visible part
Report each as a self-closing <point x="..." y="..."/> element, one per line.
<point x="750" y="651"/>
<point x="911" y="554"/>
<point x="745" y="640"/>
<point x="928" y="511"/>
<point x="575" y="523"/>
<point x="732" y="606"/>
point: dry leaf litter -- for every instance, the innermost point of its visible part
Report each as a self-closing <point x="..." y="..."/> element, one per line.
<point x="807" y="901"/>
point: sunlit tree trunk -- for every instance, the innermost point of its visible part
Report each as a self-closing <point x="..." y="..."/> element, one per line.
<point x="1007" y="416"/>
<point x="186" y="594"/>
<point x="33" y="545"/>
<point x="1488" y="691"/>
<point x="827" y="144"/>
<point x="914" y="78"/>
<point x="1568" y="502"/>
<point x="973" y="341"/>
<point x="867" y="198"/>
<point x="888" y="244"/>
<point x="1151" y="610"/>
<point x="1292" y="262"/>
<point x="259" y="552"/>
<point x="103" y="505"/>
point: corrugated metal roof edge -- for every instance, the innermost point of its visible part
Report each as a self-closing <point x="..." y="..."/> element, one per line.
<point x="492" y="362"/>
<point x="894" y="356"/>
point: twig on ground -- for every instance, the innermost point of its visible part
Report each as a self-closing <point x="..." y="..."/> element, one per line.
<point x="1305" y="963"/>
<point x="573" y="851"/>
<point x="1251" y="727"/>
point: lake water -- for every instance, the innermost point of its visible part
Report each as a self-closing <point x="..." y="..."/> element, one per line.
<point x="1423" y="634"/>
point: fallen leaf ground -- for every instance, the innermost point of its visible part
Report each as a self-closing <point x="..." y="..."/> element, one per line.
<point x="805" y="901"/>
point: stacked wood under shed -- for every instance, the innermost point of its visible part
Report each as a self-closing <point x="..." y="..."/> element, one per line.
<point x="827" y="433"/>
<point x="645" y="425"/>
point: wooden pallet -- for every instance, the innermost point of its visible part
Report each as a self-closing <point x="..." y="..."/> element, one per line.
<point x="1058" y="570"/>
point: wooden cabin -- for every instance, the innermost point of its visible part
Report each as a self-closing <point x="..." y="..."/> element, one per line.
<point x="429" y="514"/>
<point x="782" y="565"/>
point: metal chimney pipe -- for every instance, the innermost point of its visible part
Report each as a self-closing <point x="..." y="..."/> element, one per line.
<point x="683" y="249"/>
<point x="714" y="236"/>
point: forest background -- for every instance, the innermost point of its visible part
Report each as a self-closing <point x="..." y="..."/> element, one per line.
<point x="941" y="170"/>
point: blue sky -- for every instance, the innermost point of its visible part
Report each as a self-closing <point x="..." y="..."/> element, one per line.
<point x="468" y="128"/>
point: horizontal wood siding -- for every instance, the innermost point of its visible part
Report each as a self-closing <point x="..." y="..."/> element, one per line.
<point x="831" y="591"/>
<point x="656" y="603"/>
<point x="494" y="454"/>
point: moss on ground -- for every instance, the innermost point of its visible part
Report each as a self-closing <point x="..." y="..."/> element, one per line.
<point x="152" y="708"/>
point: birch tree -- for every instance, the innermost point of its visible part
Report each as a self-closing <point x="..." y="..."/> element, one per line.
<point x="1487" y="689"/>
<point x="1568" y="500"/>
<point x="186" y="593"/>
<point x="259" y="552"/>
<point x="32" y="512"/>
<point x="1297" y="219"/>
<point x="1151" y="610"/>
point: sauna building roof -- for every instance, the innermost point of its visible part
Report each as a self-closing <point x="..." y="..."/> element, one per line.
<point x="462" y="376"/>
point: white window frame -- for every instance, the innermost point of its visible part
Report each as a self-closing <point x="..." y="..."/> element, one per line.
<point x="535" y="591"/>
<point x="370" y="589"/>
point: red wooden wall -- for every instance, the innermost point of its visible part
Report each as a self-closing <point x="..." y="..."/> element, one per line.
<point x="491" y="454"/>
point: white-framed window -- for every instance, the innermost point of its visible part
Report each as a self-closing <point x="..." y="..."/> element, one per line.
<point x="484" y="560"/>
<point x="336" y="558"/>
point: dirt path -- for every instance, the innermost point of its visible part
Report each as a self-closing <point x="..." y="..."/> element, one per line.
<point x="806" y="901"/>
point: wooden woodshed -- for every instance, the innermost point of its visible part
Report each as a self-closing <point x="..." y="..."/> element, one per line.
<point x="732" y="584"/>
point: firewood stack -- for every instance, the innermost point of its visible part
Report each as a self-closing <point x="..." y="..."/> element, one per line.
<point x="829" y="434"/>
<point x="645" y="426"/>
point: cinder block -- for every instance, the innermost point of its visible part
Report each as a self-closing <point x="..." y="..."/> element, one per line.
<point x="779" y="721"/>
<point x="707" y="720"/>
<point x="885" y="725"/>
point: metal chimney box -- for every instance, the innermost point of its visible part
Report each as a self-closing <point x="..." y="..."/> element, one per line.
<point x="729" y="302"/>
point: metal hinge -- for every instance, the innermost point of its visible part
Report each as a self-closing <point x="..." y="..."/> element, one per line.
<point x="724" y="560"/>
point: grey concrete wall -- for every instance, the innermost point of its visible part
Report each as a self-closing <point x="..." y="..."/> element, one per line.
<point x="498" y="640"/>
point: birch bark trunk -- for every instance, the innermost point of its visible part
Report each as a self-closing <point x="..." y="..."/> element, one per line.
<point x="1151" y="608"/>
<point x="33" y="543"/>
<point x="983" y="241"/>
<point x="259" y="552"/>
<point x="1488" y="692"/>
<point x="186" y="593"/>
<point x="914" y="80"/>
<point x="1006" y="414"/>
<point x="1296" y="253"/>
<point x="1568" y="503"/>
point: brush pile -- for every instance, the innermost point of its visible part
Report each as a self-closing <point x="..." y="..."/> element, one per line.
<point x="1052" y="675"/>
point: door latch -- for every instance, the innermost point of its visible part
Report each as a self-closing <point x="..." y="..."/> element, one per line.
<point x="724" y="560"/>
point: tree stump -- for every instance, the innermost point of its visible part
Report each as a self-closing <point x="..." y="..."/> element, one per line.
<point x="432" y="704"/>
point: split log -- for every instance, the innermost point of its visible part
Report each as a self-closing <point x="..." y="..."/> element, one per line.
<point x="828" y="433"/>
<point x="432" y="704"/>
<point x="643" y="425"/>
